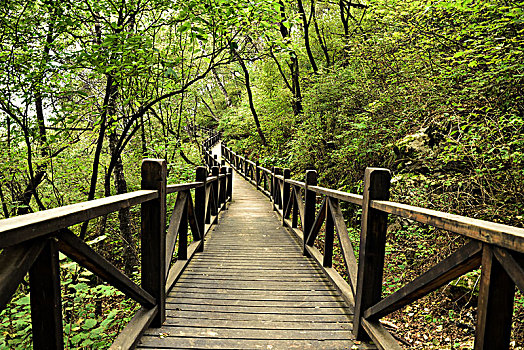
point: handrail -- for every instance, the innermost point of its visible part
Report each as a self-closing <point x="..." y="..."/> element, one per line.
<point x="19" y="229"/>
<point x="497" y="247"/>
<point x="31" y="244"/>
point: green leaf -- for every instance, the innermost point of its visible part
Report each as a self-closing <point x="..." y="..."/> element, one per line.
<point x="89" y="323"/>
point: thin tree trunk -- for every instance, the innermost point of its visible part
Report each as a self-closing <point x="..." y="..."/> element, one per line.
<point x="222" y="87"/>
<point x="305" y="23"/>
<point x="250" y="98"/>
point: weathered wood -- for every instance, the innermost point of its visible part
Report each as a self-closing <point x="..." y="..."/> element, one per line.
<point x="495" y="305"/>
<point x="309" y="205"/>
<point x="15" y="262"/>
<point x="132" y="332"/>
<point x="183" y="187"/>
<point x="328" y="238"/>
<point x="191" y="217"/>
<point x="200" y="203"/>
<point x="513" y="263"/>
<point x="348" y="253"/>
<point x="380" y="335"/>
<point x="215" y="190"/>
<point x="229" y="189"/>
<point x="46" y="302"/>
<point x="182" y="235"/>
<point x="304" y="325"/>
<point x="199" y="343"/>
<point x="504" y="236"/>
<point x="372" y="246"/>
<point x="25" y="227"/>
<point x="317" y="224"/>
<point x="223" y="184"/>
<point x="296" y="183"/>
<point x="343" y="196"/>
<point x="174" y="225"/>
<point x="153" y="239"/>
<point x="463" y="260"/>
<point x="285" y="192"/>
<point x="85" y="256"/>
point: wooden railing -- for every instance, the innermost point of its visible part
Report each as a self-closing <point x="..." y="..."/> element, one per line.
<point x="498" y="248"/>
<point x="31" y="244"/>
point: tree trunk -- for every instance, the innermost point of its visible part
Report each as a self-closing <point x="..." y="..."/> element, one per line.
<point x="250" y="98"/>
<point x="305" y="23"/>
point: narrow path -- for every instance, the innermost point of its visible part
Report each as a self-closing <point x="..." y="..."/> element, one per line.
<point x="252" y="288"/>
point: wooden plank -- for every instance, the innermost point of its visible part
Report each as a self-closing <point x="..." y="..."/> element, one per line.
<point x="25" y="227"/>
<point x="461" y="261"/>
<point x="346" y="247"/>
<point x="372" y="246"/>
<point x="174" y="225"/>
<point x="495" y="305"/>
<point x="250" y="333"/>
<point x="343" y="196"/>
<point x="296" y="183"/>
<point x="253" y="279"/>
<point x="259" y="287"/>
<point x="260" y="324"/>
<point x="513" y="263"/>
<point x="85" y="256"/>
<point x="380" y="335"/>
<point x="489" y="232"/>
<point x="262" y="310"/>
<point x="130" y="335"/>
<point x="289" y="303"/>
<point x="46" y="302"/>
<point x="199" y="343"/>
<point x="183" y="187"/>
<point x="15" y="262"/>
<point x="249" y="316"/>
<point x="253" y="292"/>
<point x="153" y="238"/>
<point x="267" y="297"/>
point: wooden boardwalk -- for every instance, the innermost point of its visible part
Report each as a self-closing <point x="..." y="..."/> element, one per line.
<point x="252" y="288"/>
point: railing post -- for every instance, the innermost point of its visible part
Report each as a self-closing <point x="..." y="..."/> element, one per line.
<point x="222" y="193"/>
<point x="329" y="236"/>
<point x="182" y="234"/>
<point x="200" y="203"/>
<point x="372" y="245"/>
<point x="495" y="305"/>
<point x="272" y="188"/>
<point x="309" y="206"/>
<point x="257" y="174"/>
<point x="214" y="207"/>
<point x="285" y="194"/>
<point x="46" y="302"/>
<point x="215" y="160"/>
<point x="229" y="189"/>
<point x="153" y="213"/>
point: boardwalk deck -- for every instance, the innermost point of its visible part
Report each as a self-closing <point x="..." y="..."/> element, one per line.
<point x="253" y="289"/>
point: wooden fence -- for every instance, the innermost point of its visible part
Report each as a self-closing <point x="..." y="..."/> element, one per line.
<point x="497" y="248"/>
<point x="31" y="244"/>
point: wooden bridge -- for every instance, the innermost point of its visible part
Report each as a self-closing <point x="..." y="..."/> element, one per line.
<point x="247" y="274"/>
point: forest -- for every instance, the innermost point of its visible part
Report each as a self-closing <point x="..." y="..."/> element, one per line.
<point x="432" y="90"/>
